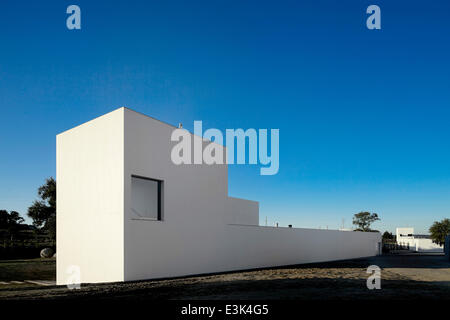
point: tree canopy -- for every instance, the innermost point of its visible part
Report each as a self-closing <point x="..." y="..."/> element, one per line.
<point x="388" y="236"/>
<point x="43" y="211"/>
<point x="439" y="230"/>
<point x="10" y="221"/>
<point x="364" y="219"/>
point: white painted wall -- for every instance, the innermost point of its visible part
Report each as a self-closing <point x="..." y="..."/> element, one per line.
<point x="89" y="175"/>
<point x="426" y="245"/>
<point x="242" y="211"/>
<point x="197" y="235"/>
<point x="252" y="247"/>
<point x="194" y="202"/>
<point x="202" y="230"/>
<point x="405" y="236"/>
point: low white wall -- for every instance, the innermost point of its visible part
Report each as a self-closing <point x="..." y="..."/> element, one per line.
<point x="171" y="251"/>
<point x="421" y="245"/>
<point x="405" y="236"/>
<point x="253" y="247"/>
<point x="426" y="245"/>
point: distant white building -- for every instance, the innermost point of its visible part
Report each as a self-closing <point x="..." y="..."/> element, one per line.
<point x="126" y="212"/>
<point x="416" y="242"/>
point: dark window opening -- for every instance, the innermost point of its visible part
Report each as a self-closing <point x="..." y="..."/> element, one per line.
<point x="146" y="198"/>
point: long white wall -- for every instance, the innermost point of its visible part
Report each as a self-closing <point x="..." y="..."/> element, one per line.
<point x="253" y="247"/>
<point x="235" y="247"/>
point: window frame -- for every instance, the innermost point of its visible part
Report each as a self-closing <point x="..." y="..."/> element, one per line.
<point x="159" y="197"/>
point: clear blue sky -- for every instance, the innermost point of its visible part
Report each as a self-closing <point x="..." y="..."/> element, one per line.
<point x="363" y="115"/>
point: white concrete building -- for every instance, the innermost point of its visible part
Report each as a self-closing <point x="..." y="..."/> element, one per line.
<point x="416" y="242"/>
<point x="126" y="212"/>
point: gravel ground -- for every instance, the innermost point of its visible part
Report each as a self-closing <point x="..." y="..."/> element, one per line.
<point x="403" y="277"/>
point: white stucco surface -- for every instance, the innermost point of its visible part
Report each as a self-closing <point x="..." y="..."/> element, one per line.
<point x="89" y="175"/>
<point x="406" y="237"/>
<point x="202" y="229"/>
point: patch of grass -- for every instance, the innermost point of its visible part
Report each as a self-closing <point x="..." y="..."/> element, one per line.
<point x="28" y="269"/>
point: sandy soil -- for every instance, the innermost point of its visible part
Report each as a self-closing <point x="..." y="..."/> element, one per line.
<point x="403" y="277"/>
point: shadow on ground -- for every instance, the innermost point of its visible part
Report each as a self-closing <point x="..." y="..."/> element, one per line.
<point x="403" y="277"/>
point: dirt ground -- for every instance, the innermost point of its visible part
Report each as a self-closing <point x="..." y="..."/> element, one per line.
<point x="409" y="276"/>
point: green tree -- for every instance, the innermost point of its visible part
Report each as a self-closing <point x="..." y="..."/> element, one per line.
<point x="364" y="219"/>
<point x="439" y="230"/>
<point x="10" y="221"/>
<point x="388" y="236"/>
<point x="43" y="211"/>
<point x="4" y="216"/>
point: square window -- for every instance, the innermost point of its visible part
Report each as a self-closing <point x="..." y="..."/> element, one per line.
<point x="145" y="198"/>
